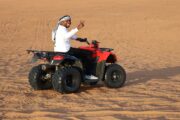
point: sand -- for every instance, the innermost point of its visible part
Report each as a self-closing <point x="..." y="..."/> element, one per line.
<point x="145" y="35"/>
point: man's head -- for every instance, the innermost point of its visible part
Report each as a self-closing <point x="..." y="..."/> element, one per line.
<point x="65" y="21"/>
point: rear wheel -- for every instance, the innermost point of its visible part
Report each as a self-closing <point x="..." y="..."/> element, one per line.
<point x="39" y="79"/>
<point x="115" y="76"/>
<point x="93" y="83"/>
<point x="67" y="80"/>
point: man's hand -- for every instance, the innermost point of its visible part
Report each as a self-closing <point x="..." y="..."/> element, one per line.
<point x="81" y="25"/>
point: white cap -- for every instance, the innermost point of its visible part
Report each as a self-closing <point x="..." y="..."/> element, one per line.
<point x="64" y="18"/>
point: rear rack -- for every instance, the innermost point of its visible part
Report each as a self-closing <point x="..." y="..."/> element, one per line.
<point x="44" y="54"/>
<point x="38" y="51"/>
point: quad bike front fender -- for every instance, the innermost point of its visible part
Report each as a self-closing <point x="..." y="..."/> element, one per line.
<point x="106" y="56"/>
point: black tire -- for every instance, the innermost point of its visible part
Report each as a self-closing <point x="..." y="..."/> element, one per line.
<point x="67" y="80"/>
<point x="115" y="76"/>
<point x="93" y="83"/>
<point x="36" y="79"/>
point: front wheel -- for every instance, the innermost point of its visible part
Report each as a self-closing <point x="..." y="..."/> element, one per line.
<point x="67" y="80"/>
<point x="115" y="76"/>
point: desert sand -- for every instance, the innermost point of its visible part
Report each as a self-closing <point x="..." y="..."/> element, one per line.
<point x="145" y="35"/>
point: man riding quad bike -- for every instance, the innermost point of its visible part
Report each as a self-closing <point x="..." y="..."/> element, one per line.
<point x="65" y="72"/>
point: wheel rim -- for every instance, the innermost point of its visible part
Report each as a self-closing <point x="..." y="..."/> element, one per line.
<point x="43" y="79"/>
<point x="116" y="76"/>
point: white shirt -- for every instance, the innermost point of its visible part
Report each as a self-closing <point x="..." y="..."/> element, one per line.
<point x="62" y="43"/>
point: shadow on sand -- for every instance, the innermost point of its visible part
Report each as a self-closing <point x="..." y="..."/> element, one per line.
<point x="147" y="75"/>
<point x="142" y="77"/>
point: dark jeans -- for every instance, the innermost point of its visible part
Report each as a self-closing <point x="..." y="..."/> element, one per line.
<point x="86" y="58"/>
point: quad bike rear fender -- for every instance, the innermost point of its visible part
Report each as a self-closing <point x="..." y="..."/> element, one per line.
<point x="66" y="60"/>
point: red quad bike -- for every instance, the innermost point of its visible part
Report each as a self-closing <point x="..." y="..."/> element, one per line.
<point x="65" y="72"/>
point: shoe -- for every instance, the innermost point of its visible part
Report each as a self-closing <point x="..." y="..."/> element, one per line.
<point x="90" y="77"/>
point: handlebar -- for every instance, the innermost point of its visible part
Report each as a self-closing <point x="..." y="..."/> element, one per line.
<point x="94" y="42"/>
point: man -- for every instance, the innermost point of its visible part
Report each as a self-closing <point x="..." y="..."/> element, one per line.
<point x="61" y="37"/>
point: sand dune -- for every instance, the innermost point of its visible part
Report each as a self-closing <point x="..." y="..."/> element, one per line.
<point x="145" y="35"/>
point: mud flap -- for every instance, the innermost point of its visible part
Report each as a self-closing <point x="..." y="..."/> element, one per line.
<point x="34" y="58"/>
